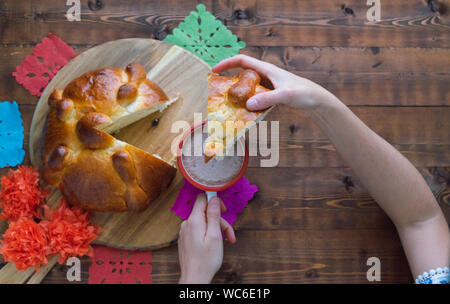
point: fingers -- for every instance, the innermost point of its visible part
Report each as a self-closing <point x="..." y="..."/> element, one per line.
<point x="216" y="224"/>
<point x="246" y="62"/>
<point x="265" y="100"/>
<point x="213" y="218"/>
<point x="199" y="206"/>
<point x="226" y="228"/>
<point x="197" y="217"/>
<point x="181" y="232"/>
<point x="223" y="208"/>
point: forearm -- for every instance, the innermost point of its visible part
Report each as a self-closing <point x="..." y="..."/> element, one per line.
<point x="194" y="280"/>
<point x="390" y="178"/>
<point x="392" y="181"/>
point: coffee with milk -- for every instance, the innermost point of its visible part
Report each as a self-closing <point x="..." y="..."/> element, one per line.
<point x="216" y="172"/>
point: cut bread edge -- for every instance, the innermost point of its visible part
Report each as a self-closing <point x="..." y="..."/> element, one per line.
<point x="241" y="133"/>
<point x="126" y="120"/>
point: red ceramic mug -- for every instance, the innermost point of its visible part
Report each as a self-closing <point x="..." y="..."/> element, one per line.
<point x="211" y="190"/>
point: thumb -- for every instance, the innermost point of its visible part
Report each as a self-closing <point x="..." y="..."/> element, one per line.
<point x="265" y="100"/>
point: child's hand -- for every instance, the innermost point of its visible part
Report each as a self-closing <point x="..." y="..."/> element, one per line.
<point x="200" y="244"/>
<point x="288" y="88"/>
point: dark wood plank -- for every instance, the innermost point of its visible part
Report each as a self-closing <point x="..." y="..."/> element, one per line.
<point x="359" y="76"/>
<point x="302" y="143"/>
<point x="312" y="256"/>
<point x="322" y="198"/>
<point x="364" y="60"/>
<point x="390" y="89"/>
<point x="369" y="76"/>
<point x="321" y="24"/>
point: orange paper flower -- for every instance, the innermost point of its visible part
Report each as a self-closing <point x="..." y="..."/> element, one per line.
<point x="65" y="231"/>
<point x="20" y="194"/>
<point x="25" y="243"/>
<point x="69" y="231"/>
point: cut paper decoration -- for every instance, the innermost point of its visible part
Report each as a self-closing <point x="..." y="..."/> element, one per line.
<point x="117" y="266"/>
<point x="38" y="68"/>
<point x="205" y="36"/>
<point x="11" y="135"/>
<point x="235" y="199"/>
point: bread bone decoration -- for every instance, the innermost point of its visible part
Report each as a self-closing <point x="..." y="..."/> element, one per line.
<point x="92" y="169"/>
<point x="228" y="116"/>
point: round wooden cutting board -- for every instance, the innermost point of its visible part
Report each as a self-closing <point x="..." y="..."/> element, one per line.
<point x="176" y="71"/>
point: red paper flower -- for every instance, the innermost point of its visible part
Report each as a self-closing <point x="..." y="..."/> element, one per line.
<point x="20" y="194"/>
<point x="65" y="231"/>
<point x="69" y="231"/>
<point x="25" y="243"/>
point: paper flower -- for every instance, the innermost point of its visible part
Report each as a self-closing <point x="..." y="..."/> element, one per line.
<point x="205" y="36"/>
<point x="69" y="231"/>
<point x="21" y="194"/>
<point x="25" y="243"/>
<point x="11" y="135"/>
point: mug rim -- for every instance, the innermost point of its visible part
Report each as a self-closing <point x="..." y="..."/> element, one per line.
<point x="200" y="186"/>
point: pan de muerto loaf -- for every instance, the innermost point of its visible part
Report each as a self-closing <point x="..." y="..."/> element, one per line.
<point x="92" y="169"/>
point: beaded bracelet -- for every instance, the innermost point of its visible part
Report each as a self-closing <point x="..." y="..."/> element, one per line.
<point x="438" y="276"/>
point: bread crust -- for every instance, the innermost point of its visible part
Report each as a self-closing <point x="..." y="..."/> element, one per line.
<point x="227" y="98"/>
<point x="92" y="169"/>
<point x="244" y="88"/>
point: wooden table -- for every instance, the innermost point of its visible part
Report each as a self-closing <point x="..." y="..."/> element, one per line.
<point x="311" y="221"/>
